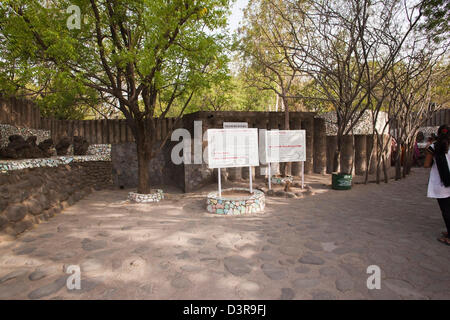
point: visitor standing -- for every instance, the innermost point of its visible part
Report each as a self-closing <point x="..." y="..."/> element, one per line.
<point x="438" y="159"/>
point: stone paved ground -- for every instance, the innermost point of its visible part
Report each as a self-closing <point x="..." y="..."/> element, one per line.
<point x="318" y="247"/>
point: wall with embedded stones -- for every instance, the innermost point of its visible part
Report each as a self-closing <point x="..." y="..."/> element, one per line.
<point x="364" y="126"/>
<point x="7" y="130"/>
<point x="30" y="196"/>
<point x="188" y="177"/>
<point x="197" y="176"/>
<point x="161" y="170"/>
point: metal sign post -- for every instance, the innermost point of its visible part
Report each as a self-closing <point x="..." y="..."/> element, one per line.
<point x="269" y="169"/>
<point x="219" y="180"/>
<point x="250" y="172"/>
<point x="303" y="174"/>
<point x="251" y="179"/>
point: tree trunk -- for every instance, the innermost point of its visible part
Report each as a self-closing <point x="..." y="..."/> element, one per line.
<point x="405" y="160"/>
<point x="410" y="158"/>
<point x="288" y="165"/>
<point x="378" y="173"/>
<point x="144" y="155"/>
<point x="347" y="154"/>
<point x="143" y="174"/>
<point x="398" y="166"/>
<point x="337" y="154"/>
<point x="379" y="157"/>
<point x="385" y="170"/>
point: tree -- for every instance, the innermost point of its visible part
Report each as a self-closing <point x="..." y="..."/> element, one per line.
<point x="250" y="98"/>
<point x="57" y="95"/>
<point x="411" y="102"/>
<point x="262" y="55"/>
<point x="218" y="97"/>
<point x="441" y="89"/>
<point x="262" y="50"/>
<point x="312" y="98"/>
<point x="347" y="47"/>
<point x="437" y="17"/>
<point x="408" y="95"/>
<point x="137" y="52"/>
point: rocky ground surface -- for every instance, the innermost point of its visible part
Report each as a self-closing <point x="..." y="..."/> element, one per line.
<point x="316" y="247"/>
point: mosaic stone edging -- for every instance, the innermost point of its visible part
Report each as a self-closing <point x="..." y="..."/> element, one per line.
<point x="236" y="205"/>
<point x="282" y="181"/>
<point x="88" y="158"/>
<point x="11" y="165"/>
<point x="146" y="198"/>
<point x="99" y="149"/>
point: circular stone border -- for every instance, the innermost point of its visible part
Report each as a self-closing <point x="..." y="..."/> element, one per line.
<point x="278" y="180"/>
<point x="254" y="203"/>
<point x="156" y="196"/>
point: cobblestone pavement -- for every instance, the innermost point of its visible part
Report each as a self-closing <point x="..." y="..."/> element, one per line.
<point x="318" y="247"/>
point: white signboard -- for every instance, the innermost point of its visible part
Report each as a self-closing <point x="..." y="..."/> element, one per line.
<point x="235" y="125"/>
<point x="283" y="146"/>
<point x="232" y="148"/>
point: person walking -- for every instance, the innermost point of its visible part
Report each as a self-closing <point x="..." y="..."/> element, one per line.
<point x="438" y="159"/>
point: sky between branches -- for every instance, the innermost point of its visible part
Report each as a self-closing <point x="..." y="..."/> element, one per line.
<point x="237" y="14"/>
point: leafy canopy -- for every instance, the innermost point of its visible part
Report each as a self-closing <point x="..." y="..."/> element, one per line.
<point x="135" y="52"/>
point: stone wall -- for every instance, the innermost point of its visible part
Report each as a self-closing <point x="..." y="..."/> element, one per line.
<point x="161" y="169"/>
<point x="7" y="130"/>
<point x="30" y="196"/>
<point x="99" y="149"/>
<point x="197" y="176"/>
<point x="363" y="127"/>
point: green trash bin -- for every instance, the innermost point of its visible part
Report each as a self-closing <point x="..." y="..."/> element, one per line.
<point x="341" y="181"/>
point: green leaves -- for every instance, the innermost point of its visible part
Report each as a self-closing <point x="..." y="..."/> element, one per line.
<point x="437" y="17"/>
<point x="124" y="48"/>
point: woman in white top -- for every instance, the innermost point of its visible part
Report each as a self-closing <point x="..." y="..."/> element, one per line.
<point x="438" y="159"/>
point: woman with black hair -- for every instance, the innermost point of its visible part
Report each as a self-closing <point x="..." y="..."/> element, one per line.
<point x="438" y="159"/>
